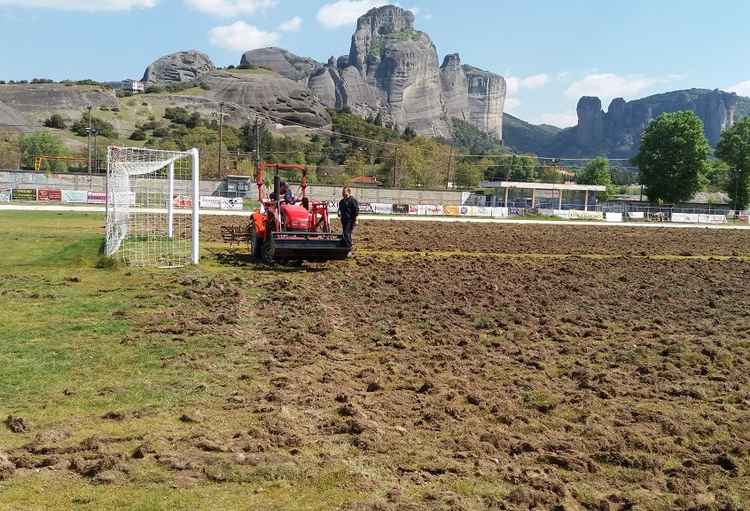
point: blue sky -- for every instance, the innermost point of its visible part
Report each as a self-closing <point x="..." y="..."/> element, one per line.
<point x="550" y="51"/>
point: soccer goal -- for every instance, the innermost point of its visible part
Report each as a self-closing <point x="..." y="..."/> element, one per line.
<point x="153" y="200"/>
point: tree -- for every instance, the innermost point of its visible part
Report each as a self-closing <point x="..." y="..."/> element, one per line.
<point x="102" y="127"/>
<point x="734" y="150"/>
<point x="42" y="144"/>
<point x="56" y="121"/>
<point x="523" y="168"/>
<point x="597" y="173"/>
<point x="673" y="157"/>
<point x="468" y="174"/>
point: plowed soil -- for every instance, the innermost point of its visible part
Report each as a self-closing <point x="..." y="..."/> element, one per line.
<point x="531" y="239"/>
<point x="477" y="382"/>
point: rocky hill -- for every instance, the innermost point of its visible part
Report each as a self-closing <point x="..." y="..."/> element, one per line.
<point x="392" y="72"/>
<point x="617" y="132"/>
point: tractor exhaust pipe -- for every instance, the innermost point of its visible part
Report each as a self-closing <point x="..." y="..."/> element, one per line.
<point x="277" y="187"/>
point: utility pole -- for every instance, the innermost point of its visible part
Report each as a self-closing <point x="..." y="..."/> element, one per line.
<point x="450" y="169"/>
<point x="89" y="139"/>
<point x="96" y="152"/>
<point x="221" y="134"/>
<point x="257" y="141"/>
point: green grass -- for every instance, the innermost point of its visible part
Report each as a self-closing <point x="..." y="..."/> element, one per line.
<point x="73" y="347"/>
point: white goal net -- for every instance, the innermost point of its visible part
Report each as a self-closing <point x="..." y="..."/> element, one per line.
<point x="152" y="206"/>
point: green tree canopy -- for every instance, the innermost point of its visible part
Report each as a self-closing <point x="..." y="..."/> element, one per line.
<point x="597" y="172"/>
<point x="102" y="127"/>
<point x="673" y="157"/>
<point x="469" y="174"/>
<point x="42" y="144"/>
<point x="734" y="150"/>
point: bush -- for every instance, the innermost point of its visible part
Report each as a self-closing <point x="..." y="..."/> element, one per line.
<point x="154" y="89"/>
<point x="161" y="132"/>
<point x="102" y="127"/>
<point x="107" y="263"/>
<point x="56" y="121"/>
<point x="138" y="135"/>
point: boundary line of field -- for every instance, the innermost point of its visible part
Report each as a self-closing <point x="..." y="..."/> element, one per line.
<point x="402" y="218"/>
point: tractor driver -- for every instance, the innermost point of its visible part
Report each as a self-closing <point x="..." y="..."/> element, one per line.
<point x="286" y="194"/>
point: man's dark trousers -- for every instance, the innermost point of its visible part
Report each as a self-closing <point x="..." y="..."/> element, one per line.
<point x="348" y="227"/>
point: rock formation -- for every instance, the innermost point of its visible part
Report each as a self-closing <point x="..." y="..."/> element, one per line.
<point x="282" y="62"/>
<point x="185" y="66"/>
<point x="617" y="132"/>
<point x="36" y="102"/>
<point x="10" y="118"/>
<point x="392" y="72"/>
<point x="268" y="93"/>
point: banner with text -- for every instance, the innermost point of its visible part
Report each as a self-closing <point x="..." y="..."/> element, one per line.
<point x="25" y="194"/>
<point x="74" y="196"/>
<point x="49" y="195"/>
<point x="96" y="198"/>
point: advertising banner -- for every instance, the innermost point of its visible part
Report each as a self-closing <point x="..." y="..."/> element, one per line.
<point x="234" y="204"/>
<point x="383" y="209"/>
<point x="27" y="194"/>
<point x="483" y="211"/>
<point x="562" y="213"/>
<point x="613" y="217"/>
<point x="430" y="210"/>
<point x="469" y="211"/>
<point x="695" y="218"/>
<point x="576" y="214"/>
<point x="365" y="207"/>
<point x="96" y="198"/>
<point x="74" y="196"/>
<point x="178" y="201"/>
<point x="5" y="195"/>
<point x="413" y="210"/>
<point x="637" y="215"/>
<point x="49" y="195"/>
<point x="500" y="212"/>
<point x="400" y="209"/>
<point x="451" y="210"/>
<point x="208" y="202"/>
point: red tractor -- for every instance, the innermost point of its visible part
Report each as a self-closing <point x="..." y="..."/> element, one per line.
<point x="283" y="231"/>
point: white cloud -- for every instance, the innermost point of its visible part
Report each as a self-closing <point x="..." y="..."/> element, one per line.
<point x="82" y="5"/>
<point x="231" y="8"/>
<point x="608" y="86"/>
<point x="345" y="12"/>
<point x="742" y="88"/>
<point x="561" y="120"/>
<point x="240" y="36"/>
<point x="515" y="83"/>
<point x="292" y="25"/>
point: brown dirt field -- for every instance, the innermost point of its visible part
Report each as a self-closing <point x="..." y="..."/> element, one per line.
<point x="532" y="239"/>
<point x="413" y="379"/>
<point x="477" y="382"/>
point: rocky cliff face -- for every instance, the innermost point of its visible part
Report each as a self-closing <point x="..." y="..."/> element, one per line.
<point x="617" y="132"/>
<point x="392" y="71"/>
<point x="268" y="93"/>
<point x="282" y="62"/>
<point x="10" y="118"/>
<point x="185" y="66"/>
<point x="36" y="102"/>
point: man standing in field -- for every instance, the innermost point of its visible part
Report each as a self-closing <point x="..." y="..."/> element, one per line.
<point x="348" y="212"/>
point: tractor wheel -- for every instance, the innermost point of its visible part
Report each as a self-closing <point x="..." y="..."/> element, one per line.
<point x="267" y="250"/>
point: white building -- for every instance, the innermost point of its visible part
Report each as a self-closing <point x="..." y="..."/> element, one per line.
<point x="134" y="86"/>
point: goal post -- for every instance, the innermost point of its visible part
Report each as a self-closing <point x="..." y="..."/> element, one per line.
<point x="153" y="206"/>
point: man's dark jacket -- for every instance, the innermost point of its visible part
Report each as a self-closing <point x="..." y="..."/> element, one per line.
<point x="348" y="209"/>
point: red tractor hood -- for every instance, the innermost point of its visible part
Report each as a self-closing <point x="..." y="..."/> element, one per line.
<point x="296" y="218"/>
